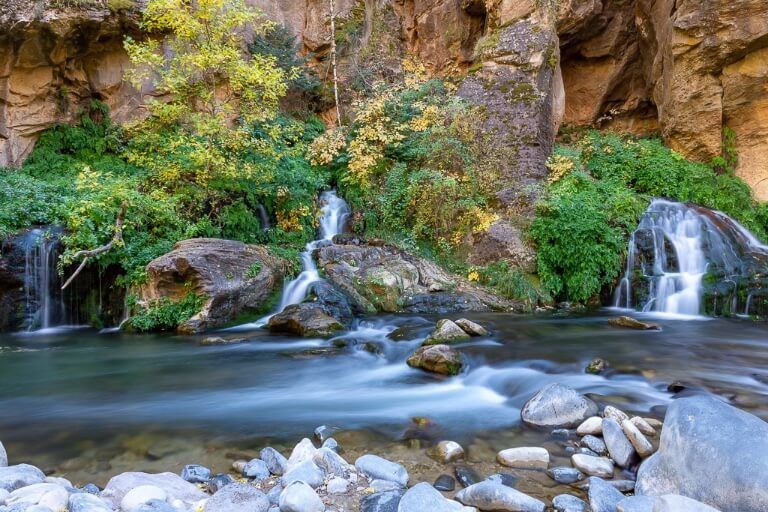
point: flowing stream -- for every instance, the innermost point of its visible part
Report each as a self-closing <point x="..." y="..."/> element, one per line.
<point x="43" y="307"/>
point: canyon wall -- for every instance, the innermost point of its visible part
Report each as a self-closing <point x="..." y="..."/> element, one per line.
<point x="692" y="70"/>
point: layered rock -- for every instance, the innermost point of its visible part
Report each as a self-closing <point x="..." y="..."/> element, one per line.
<point x="232" y="276"/>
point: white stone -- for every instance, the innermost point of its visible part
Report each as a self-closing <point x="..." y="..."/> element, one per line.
<point x="593" y="466"/>
<point x="643" y="447"/>
<point x="3" y="496"/>
<point x="138" y="496"/>
<point x="527" y="457"/>
<point x="643" y="426"/>
<point x="48" y="495"/>
<point x="299" y="497"/>
<point x="614" y="413"/>
<point x="447" y="451"/>
<point x="302" y="452"/>
<point x="337" y="486"/>
<point x="63" y="482"/>
<point x="591" y="426"/>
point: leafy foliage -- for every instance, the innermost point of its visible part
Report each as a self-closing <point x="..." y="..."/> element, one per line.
<point x="165" y="314"/>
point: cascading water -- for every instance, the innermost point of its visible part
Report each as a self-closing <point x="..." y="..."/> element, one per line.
<point x="42" y="306"/>
<point x="676" y="248"/>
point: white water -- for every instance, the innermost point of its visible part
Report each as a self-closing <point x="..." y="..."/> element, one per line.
<point x="40" y="256"/>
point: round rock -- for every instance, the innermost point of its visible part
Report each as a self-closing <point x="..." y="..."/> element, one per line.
<point x="447" y="451"/>
<point x="524" y="458"/>
<point x="568" y="503"/>
<point x="591" y="426"/>
<point x="138" y="496"/>
<point x="237" y="498"/>
<point x="557" y="405"/>
<point x="492" y="496"/>
<point x="374" y="466"/>
<point x="300" y="497"/>
<point x="621" y="450"/>
<point x="195" y="473"/>
<point x="593" y="466"/>
<point x="275" y="461"/>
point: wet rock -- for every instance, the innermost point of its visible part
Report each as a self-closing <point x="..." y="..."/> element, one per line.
<point x="447" y="451"/>
<point x="705" y="441"/>
<point x="374" y="466"/>
<point x="595" y="444"/>
<point x="446" y="332"/>
<point x="440" y="359"/>
<point x="504" y="479"/>
<point x="218" y="340"/>
<point x="632" y="323"/>
<point x="331" y="462"/>
<point x="386" y="501"/>
<point x="333" y="301"/>
<point x="677" y="503"/>
<point x="173" y="485"/>
<point x="84" y="502"/>
<point x="237" y="498"/>
<point x="467" y="476"/>
<point x="556" y="405"/>
<point x="20" y="475"/>
<point x="642" y="446"/>
<point x="643" y="426"/>
<point x="331" y="444"/>
<point x="471" y="328"/>
<point x="195" y="473"/>
<point x="653" y="422"/>
<point x="565" y="475"/>
<point x="324" y="432"/>
<point x="677" y="386"/>
<point x="275" y="461"/>
<point x="337" y="485"/>
<point x="3" y="456"/>
<point x="603" y="497"/>
<point x="568" y="503"/>
<point x="300" y="497"/>
<point x="218" y="482"/>
<point x="621" y="450"/>
<point x="591" y="426"/>
<point x="422" y="497"/>
<point x="636" y="504"/>
<point x="307" y="472"/>
<point x="597" y="366"/>
<point x="445" y="483"/>
<point x="593" y="466"/>
<point x="256" y="469"/>
<point x="492" y="496"/>
<point x="615" y="413"/>
<point x="138" y="496"/>
<point x="306" y="319"/>
<point x="524" y="458"/>
<point x="52" y="496"/>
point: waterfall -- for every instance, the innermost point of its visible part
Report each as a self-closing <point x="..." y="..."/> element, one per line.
<point x="42" y="304"/>
<point x="675" y="248"/>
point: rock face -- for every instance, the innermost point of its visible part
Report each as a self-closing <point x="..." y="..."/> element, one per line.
<point x="306" y="319"/>
<point x="233" y="277"/>
<point x="703" y="441"/>
<point x="556" y="405"/>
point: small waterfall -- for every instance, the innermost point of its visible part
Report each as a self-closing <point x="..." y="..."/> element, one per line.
<point x="42" y="304"/>
<point x="334" y="213"/>
<point x="675" y="248"/>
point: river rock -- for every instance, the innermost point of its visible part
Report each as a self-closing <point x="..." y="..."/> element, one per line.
<point x="337" y="485"/>
<point x="237" y="498"/>
<point x="593" y="466"/>
<point x="196" y="474"/>
<point x="557" y="405"/>
<point x="642" y="446"/>
<point x="307" y="319"/>
<point x="595" y="444"/>
<point x="138" y="496"/>
<point x="91" y="489"/>
<point x="503" y="478"/>
<point x="524" y="458"/>
<point x="591" y="426"/>
<point x="20" y="475"/>
<point x="275" y="461"/>
<point x="386" y="501"/>
<point x="374" y="466"/>
<point x="331" y="462"/>
<point x="603" y="497"/>
<point x="303" y="451"/>
<point x="84" y="502"/>
<point x="492" y="496"/>
<point x="621" y="450"/>
<point x="159" y="506"/>
<point x="3" y="456"/>
<point x="173" y="485"/>
<point x="220" y="271"/>
<point x="440" y="359"/>
<point x="643" y="426"/>
<point x="677" y="503"/>
<point x="467" y="476"/>
<point x="636" y="504"/>
<point x="306" y="472"/>
<point x="597" y="366"/>
<point x="300" y="497"/>
<point x="568" y="503"/>
<point x="422" y="497"/>
<point x="256" y="469"/>
<point x="471" y="328"/>
<point x="565" y="475"/>
<point x="218" y="482"/>
<point x="705" y="441"/>
<point x="379" y="485"/>
<point x="446" y="332"/>
<point x="447" y="451"/>
<point x="615" y="413"/>
<point x="632" y="323"/>
<point x="52" y="496"/>
<point x="445" y="483"/>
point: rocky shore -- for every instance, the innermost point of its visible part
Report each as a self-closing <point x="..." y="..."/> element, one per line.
<point x="706" y="456"/>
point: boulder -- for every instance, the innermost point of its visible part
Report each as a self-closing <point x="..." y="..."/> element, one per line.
<point x="20" y="475"/>
<point x="556" y="405"/>
<point x="706" y="441"/>
<point x="172" y="484"/>
<point x="440" y="359"/>
<point x="233" y="277"/>
<point x="237" y="498"/>
<point x="493" y="496"/>
<point x="306" y="319"/>
<point x="446" y="332"/>
<point x="374" y="466"/>
<point x="632" y="323"/>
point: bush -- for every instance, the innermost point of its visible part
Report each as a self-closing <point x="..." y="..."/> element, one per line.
<point x="165" y="314"/>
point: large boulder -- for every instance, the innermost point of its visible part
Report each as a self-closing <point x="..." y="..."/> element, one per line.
<point x="305" y="319"/>
<point x="440" y="359"/>
<point x="711" y="452"/>
<point x="557" y="405"/>
<point x="446" y="332"/>
<point x="232" y="276"/>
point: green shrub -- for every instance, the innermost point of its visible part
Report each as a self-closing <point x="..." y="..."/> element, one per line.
<point x="165" y="314"/>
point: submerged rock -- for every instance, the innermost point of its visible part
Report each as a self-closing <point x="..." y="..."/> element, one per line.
<point x="237" y="498"/>
<point x="446" y="332"/>
<point x="306" y="319"/>
<point x="440" y="359"/>
<point x="632" y="323"/>
<point x="556" y="405"/>
<point x="711" y="452"/>
<point x="492" y="496"/>
<point x="565" y="475"/>
<point x="467" y="476"/>
<point x="597" y="366"/>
